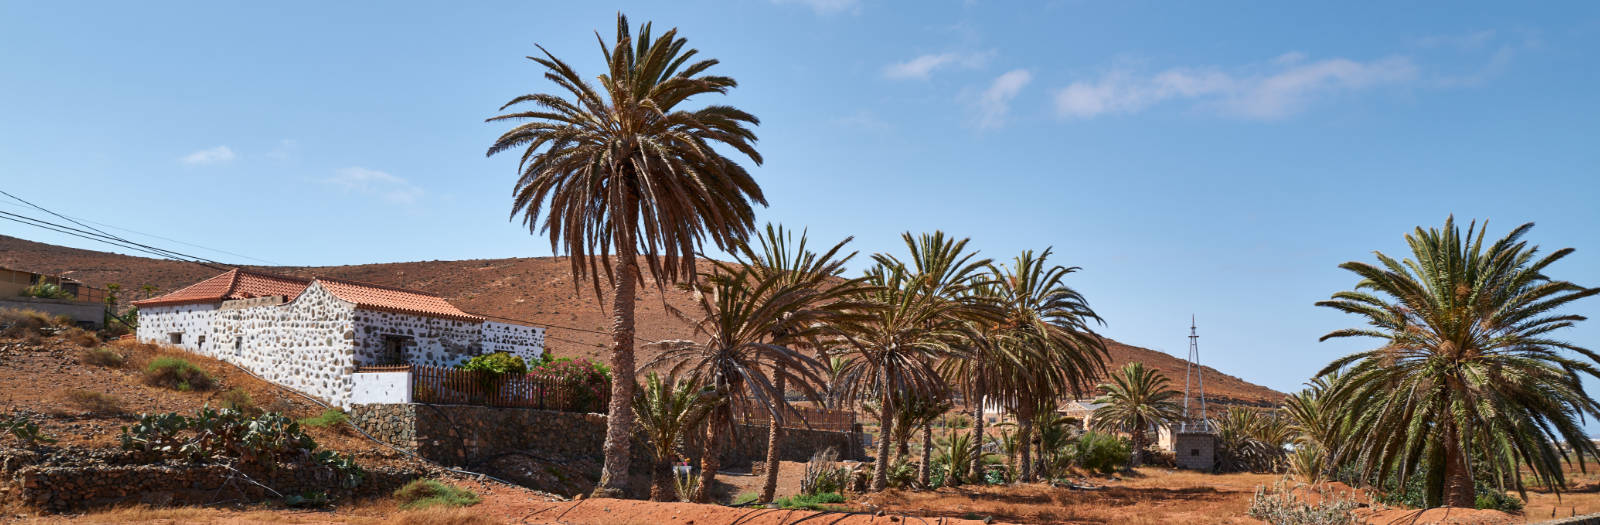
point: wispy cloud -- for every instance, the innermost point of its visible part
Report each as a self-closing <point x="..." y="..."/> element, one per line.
<point x="995" y="102"/>
<point x="923" y="66"/>
<point x="376" y="183"/>
<point x="825" y="7"/>
<point x="1283" y="87"/>
<point x="215" y="155"/>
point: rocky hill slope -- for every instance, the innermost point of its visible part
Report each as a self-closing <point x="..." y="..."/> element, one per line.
<point x="538" y="290"/>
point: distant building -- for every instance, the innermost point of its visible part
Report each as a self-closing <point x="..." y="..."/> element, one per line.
<point x="312" y="334"/>
<point x="86" y="305"/>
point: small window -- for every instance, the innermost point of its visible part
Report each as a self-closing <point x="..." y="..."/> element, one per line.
<point x="201" y="341"/>
<point x="1194" y="451"/>
<point x="175" y="338"/>
<point x="238" y="346"/>
<point x="393" y="351"/>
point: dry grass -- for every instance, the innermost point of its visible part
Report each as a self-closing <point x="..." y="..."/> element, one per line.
<point x="102" y="356"/>
<point x="81" y="337"/>
<point x="97" y="403"/>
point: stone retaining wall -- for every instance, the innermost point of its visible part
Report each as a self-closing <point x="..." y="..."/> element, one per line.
<point x="557" y="452"/>
<point x="91" y="481"/>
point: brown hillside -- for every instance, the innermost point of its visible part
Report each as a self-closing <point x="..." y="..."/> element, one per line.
<point x="536" y="290"/>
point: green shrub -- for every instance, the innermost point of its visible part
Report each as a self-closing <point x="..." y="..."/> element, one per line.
<point x="239" y="399"/>
<point x="103" y="356"/>
<point x="1102" y="453"/>
<point x="424" y="493"/>
<point x="329" y="418"/>
<point x="44" y="290"/>
<point x="262" y="441"/>
<point x="23" y="428"/>
<point x="823" y="501"/>
<point x="178" y="374"/>
<point x="498" y="363"/>
<point x="745" y="499"/>
<point x="1491" y="498"/>
<point x="95" y="402"/>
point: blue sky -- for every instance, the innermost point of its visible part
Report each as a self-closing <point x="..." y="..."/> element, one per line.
<point x="1213" y="159"/>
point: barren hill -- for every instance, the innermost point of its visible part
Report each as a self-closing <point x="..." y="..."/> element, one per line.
<point x="537" y="290"/>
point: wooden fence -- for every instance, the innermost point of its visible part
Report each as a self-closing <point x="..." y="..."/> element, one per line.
<point x="799" y="417"/>
<point x="431" y="384"/>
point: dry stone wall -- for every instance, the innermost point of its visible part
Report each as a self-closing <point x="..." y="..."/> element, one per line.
<point x="429" y="341"/>
<point x="190" y="321"/>
<point x="524" y="341"/>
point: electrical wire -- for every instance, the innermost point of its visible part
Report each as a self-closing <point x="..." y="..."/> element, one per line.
<point x="101" y="233"/>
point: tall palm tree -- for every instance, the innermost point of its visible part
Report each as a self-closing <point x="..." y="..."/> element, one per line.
<point x="618" y="166"/>
<point x="1136" y="400"/>
<point x="1316" y="425"/>
<point x="915" y="319"/>
<point x="1468" y="369"/>
<point x="669" y="410"/>
<point x="740" y="308"/>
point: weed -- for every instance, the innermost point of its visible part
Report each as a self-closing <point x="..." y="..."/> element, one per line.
<point x="178" y="374"/>
<point x="103" y="356"/>
<point x="25" y="430"/>
<point x="23" y="323"/>
<point x="1282" y="507"/>
<point x="745" y="499"/>
<point x="823" y="501"/>
<point x="239" y="399"/>
<point x="98" y="403"/>
<point x="329" y="418"/>
<point x="81" y="337"/>
<point x="424" y="493"/>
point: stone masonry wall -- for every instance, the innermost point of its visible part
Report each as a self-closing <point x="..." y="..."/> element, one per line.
<point x="432" y="341"/>
<point x="189" y="320"/>
<point x="515" y="339"/>
<point x="305" y="344"/>
<point x="481" y="437"/>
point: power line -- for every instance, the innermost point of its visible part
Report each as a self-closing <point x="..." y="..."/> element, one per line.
<point x="168" y="239"/>
<point x="102" y="233"/>
<point x="86" y="235"/>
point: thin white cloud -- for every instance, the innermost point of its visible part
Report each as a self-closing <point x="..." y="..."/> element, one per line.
<point x="923" y="66"/>
<point x="1286" y="86"/>
<point x="215" y="155"/>
<point x="825" y="7"/>
<point x="376" y="183"/>
<point x="995" y="102"/>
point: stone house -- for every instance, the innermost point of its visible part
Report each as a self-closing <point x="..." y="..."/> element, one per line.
<point x="312" y="334"/>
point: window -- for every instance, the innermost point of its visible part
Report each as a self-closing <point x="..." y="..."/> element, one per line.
<point x="201" y="341"/>
<point x="238" y="346"/>
<point x="393" y="351"/>
<point x="175" y="338"/>
<point x="1194" y="451"/>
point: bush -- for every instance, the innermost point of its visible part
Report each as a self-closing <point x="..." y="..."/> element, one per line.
<point x="178" y="374"/>
<point x="23" y="428"/>
<point x="99" y="403"/>
<point x="1280" y="506"/>
<point x="102" y="356"/>
<point x="498" y="363"/>
<point x="263" y="441"/>
<point x="239" y="399"/>
<point x="329" y="418"/>
<point x="424" y="493"/>
<point x="81" y="337"/>
<point x="1103" y="453"/>
<point x="824" y="474"/>
<point x="590" y="380"/>
<point x="821" y="501"/>
<point x="23" y="323"/>
<point x="1491" y="498"/>
<point x="44" y="290"/>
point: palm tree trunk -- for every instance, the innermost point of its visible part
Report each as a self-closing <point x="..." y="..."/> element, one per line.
<point x="1458" y="486"/>
<point x="661" y="486"/>
<point x="709" y="456"/>
<point x="923" y="470"/>
<point x="619" y="418"/>
<point x="880" y="464"/>
<point x="1039" y="465"/>
<point x="774" y="432"/>
<point x="902" y="438"/>
<point x="1025" y="448"/>
<point x="1137" y="457"/>
<point x="973" y="470"/>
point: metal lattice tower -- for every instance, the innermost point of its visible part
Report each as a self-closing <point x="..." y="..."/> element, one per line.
<point x="1195" y="376"/>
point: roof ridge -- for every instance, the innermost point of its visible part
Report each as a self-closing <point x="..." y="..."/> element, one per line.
<point x="375" y="285"/>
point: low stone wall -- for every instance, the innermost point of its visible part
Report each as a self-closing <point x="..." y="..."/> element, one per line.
<point x="557" y="452"/>
<point x="79" y="480"/>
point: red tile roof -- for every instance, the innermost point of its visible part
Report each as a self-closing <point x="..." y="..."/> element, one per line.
<point x="245" y="284"/>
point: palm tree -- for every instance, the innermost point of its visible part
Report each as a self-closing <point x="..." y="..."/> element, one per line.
<point x="823" y="296"/>
<point x="1136" y="400"/>
<point x="1469" y="368"/>
<point x="618" y="166"/>
<point x="1315" y="424"/>
<point x="668" y="411"/>
<point x="741" y="307"/>
<point x="1057" y="352"/>
<point x="915" y="319"/>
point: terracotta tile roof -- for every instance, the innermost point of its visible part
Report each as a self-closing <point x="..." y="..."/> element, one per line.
<point x="235" y="284"/>
<point x="397" y="300"/>
<point x="245" y="284"/>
